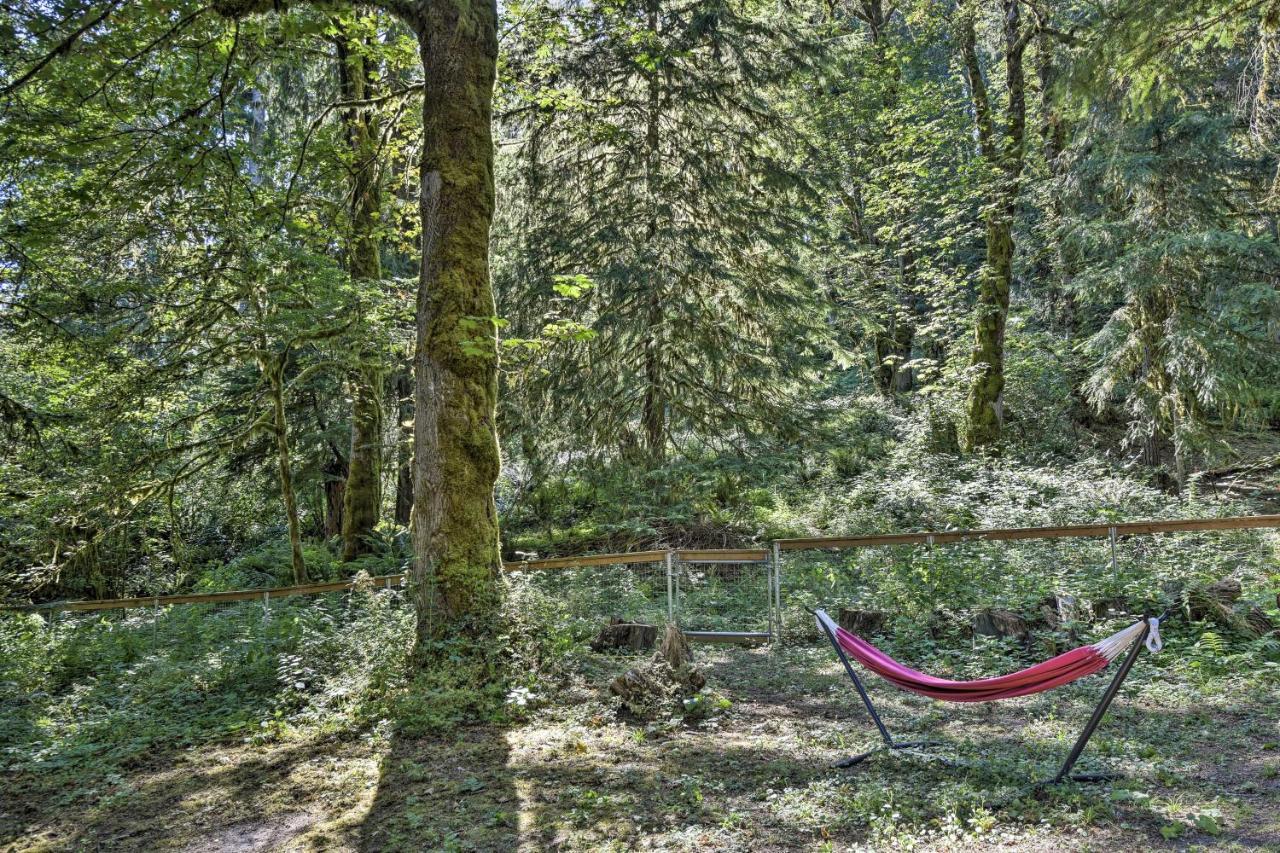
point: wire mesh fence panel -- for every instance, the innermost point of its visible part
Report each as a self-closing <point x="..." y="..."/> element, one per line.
<point x="1046" y="581"/>
<point x="587" y="597"/>
<point x="722" y="596"/>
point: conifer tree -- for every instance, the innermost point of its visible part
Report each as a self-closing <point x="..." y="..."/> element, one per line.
<point x="653" y="208"/>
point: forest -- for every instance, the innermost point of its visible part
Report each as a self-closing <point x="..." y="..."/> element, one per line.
<point x="397" y="398"/>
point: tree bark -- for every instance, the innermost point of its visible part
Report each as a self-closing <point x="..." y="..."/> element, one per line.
<point x="403" y="387"/>
<point x="275" y="379"/>
<point x="455" y="519"/>
<point x="362" y="502"/>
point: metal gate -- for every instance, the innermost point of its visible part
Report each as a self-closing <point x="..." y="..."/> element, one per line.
<point x="723" y="596"/>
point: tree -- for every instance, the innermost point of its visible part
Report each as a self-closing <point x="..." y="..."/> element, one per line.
<point x="1170" y="209"/>
<point x="650" y="218"/>
<point x="892" y="152"/>
<point x="362" y="497"/>
<point x="1001" y="141"/>
<point x="455" y="524"/>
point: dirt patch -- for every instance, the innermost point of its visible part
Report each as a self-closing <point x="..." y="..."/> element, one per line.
<point x="254" y="836"/>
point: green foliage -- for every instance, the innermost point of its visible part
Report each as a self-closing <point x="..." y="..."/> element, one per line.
<point x="111" y="688"/>
<point x="683" y="217"/>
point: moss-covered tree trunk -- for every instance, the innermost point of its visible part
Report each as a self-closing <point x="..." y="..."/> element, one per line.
<point x="454" y="576"/>
<point x="986" y="394"/>
<point x="1005" y="156"/>
<point x="362" y="502"/>
<point x="274" y="368"/>
<point x="402" y="387"/>
<point x="455" y="520"/>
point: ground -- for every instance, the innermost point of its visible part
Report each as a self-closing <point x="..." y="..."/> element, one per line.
<point x="1201" y="759"/>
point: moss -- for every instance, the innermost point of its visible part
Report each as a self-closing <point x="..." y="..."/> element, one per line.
<point x="455" y="524"/>
<point x="362" y="500"/>
<point x="986" y="395"/>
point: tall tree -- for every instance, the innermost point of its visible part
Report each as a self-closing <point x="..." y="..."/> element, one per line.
<point x="455" y="520"/>
<point x="1001" y="136"/>
<point x="362" y="497"/>
<point x="891" y="149"/>
<point x="1171" y="208"/>
<point x="653" y="208"/>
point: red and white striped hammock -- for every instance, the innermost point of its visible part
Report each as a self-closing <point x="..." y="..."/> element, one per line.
<point x="1055" y="672"/>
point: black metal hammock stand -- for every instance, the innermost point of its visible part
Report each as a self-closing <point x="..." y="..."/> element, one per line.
<point x="1060" y="670"/>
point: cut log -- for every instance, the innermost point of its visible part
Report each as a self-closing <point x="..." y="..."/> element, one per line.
<point x="625" y="635"/>
<point x="864" y="623"/>
<point x="1001" y="623"/>
<point x="1255" y="621"/>
<point x="1226" y="590"/>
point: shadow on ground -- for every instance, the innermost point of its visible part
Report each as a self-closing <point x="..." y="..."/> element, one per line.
<point x="443" y="794"/>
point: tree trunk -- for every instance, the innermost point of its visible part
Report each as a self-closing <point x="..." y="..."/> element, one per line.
<point x="1057" y="269"/>
<point x="654" y="409"/>
<point x="363" y="500"/>
<point x="275" y="377"/>
<point x="335" y="488"/>
<point x="893" y="346"/>
<point x="403" y="386"/>
<point x="986" y="395"/>
<point x="455" y="520"/>
<point x="653" y="414"/>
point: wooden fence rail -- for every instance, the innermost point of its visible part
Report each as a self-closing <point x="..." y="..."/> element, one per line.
<point x="1121" y="528"/>
<point x="723" y="555"/>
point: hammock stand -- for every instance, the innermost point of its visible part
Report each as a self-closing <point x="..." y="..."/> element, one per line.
<point x="1145" y="636"/>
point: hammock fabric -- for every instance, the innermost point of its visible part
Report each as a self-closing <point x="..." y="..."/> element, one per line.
<point x="1055" y="672"/>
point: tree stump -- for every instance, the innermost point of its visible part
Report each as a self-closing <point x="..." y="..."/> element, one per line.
<point x="648" y="690"/>
<point x="1213" y="602"/>
<point x="676" y="654"/>
<point x="625" y="635"/>
<point x="861" y="622"/>
<point x="1001" y="623"/>
<point x="1056" y="610"/>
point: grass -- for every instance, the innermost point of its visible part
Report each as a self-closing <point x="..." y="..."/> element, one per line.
<point x="1199" y="753"/>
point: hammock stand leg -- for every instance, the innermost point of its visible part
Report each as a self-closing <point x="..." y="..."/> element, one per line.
<point x="1098" y="712"/>
<point x="889" y="742"/>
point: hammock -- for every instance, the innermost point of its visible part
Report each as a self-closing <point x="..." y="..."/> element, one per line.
<point x="1055" y="672"/>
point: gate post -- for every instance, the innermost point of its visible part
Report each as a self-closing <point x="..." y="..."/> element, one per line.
<point x="775" y="593"/>
<point x="671" y="602"/>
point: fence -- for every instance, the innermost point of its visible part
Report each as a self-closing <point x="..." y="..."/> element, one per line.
<point x="726" y="594"/>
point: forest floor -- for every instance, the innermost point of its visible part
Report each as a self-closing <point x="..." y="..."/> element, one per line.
<point x="1200" y="757"/>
